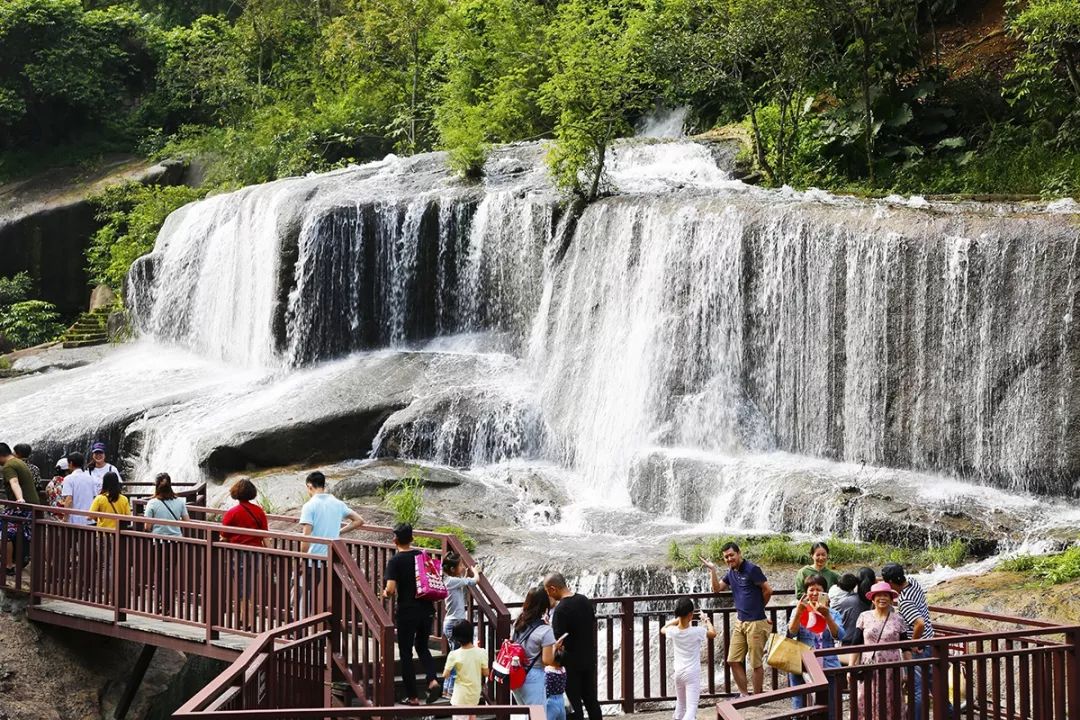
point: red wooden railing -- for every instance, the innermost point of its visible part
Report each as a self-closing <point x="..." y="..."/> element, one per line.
<point x="1030" y="672"/>
<point x="309" y="611"/>
<point x="644" y="675"/>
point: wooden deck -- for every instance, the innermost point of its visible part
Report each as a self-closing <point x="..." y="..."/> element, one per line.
<point x="153" y="631"/>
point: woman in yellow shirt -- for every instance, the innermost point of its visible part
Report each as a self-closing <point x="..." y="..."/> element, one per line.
<point x="110" y="500"/>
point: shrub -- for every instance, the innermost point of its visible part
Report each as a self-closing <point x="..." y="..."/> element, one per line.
<point x="783" y="550"/>
<point x="1050" y="569"/>
<point x="30" y="323"/>
<point x="405" y="498"/>
<point x="132" y="215"/>
<point x="458" y="532"/>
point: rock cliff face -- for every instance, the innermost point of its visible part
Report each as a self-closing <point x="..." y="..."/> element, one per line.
<point x="49" y="673"/>
<point x="46" y="223"/>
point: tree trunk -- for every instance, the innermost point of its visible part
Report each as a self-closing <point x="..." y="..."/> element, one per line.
<point x="1072" y="69"/>
<point x="868" y="114"/>
<point x="759" y="145"/>
<point x="601" y="157"/>
<point x="933" y="35"/>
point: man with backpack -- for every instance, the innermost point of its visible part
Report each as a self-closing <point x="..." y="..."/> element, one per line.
<point x="415" y="617"/>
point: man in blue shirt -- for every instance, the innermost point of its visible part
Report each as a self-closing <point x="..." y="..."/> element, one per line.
<point x="751" y="592"/>
<point x="322" y="515"/>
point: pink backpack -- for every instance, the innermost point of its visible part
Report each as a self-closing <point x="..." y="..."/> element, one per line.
<point x="429" y="580"/>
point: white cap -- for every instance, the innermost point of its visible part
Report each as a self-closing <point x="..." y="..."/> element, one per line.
<point x="62" y="464"/>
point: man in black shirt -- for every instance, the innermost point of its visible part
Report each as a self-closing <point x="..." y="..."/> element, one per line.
<point x="414" y="617"/>
<point x="574" y="617"/>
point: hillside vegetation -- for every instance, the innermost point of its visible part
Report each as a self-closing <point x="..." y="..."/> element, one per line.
<point x="927" y="96"/>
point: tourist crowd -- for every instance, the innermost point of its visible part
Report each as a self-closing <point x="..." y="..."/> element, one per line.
<point x="556" y="626"/>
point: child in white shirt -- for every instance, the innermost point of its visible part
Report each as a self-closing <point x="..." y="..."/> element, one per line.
<point x="688" y="637"/>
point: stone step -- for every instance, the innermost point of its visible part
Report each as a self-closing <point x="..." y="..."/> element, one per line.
<point x="68" y="344"/>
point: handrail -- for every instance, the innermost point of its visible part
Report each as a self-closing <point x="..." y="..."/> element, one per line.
<point x="535" y="712"/>
<point x="729" y="709"/>
<point x="239" y="666"/>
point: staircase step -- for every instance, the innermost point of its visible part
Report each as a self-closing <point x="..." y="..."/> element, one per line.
<point x="68" y="344"/>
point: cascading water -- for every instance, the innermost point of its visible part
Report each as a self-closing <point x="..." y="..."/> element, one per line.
<point x="687" y="327"/>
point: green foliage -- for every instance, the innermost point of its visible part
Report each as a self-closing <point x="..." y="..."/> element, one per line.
<point x="267" y="504"/>
<point x="843" y="553"/>
<point x="1049" y="569"/>
<point x="132" y="215"/>
<point x="405" y="498"/>
<point x="15" y="289"/>
<point x="1046" y="79"/>
<point x="843" y="94"/>
<point x="63" y="70"/>
<point x="29" y="323"/>
<point x="493" y="52"/>
<point x="596" y="82"/>
<point x="458" y="532"/>
<point x="25" y="322"/>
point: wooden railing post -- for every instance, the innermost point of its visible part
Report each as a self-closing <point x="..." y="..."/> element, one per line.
<point x="120" y="576"/>
<point x="210" y="574"/>
<point x="37" y="557"/>
<point x="337" y="611"/>
<point x="627" y="654"/>
<point x="939" y="684"/>
<point x="385" y="696"/>
<point x="1072" y="672"/>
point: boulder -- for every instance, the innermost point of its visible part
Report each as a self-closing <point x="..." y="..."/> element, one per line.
<point x="102" y="297"/>
<point x="784" y="493"/>
<point x="464" y="426"/>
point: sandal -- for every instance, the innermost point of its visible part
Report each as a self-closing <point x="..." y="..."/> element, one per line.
<point x="434" y="693"/>
<point x="413" y="702"/>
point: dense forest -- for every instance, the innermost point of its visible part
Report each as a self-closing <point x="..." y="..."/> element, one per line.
<point x="861" y="95"/>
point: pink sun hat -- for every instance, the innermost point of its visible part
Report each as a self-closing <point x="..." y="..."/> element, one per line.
<point x="881" y="587"/>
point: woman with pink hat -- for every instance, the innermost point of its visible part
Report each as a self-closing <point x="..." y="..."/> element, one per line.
<point x="880" y="696"/>
<point x="815" y="624"/>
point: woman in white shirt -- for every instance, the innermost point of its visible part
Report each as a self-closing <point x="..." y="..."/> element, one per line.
<point x="688" y="637"/>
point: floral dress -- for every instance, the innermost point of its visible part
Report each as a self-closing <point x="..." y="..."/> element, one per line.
<point x="54" y="491"/>
<point x="880" y="693"/>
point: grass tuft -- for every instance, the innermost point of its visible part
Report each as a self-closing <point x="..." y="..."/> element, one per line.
<point x="783" y="550"/>
<point x="1049" y="569"/>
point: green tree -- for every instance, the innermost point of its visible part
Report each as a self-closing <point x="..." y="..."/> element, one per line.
<point x="756" y="52"/>
<point x="63" y="70"/>
<point x="392" y="45"/>
<point x="203" y="75"/>
<point x="1047" y="74"/>
<point x="597" y="83"/>
<point x="493" y="52"/>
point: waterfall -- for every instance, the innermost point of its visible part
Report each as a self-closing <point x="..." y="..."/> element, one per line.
<point x="861" y="333"/>
<point x="685" y="312"/>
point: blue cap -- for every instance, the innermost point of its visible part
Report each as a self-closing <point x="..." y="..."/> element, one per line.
<point x="97" y="447"/>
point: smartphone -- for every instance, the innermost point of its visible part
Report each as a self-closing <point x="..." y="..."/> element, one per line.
<point x="563" y="637"/>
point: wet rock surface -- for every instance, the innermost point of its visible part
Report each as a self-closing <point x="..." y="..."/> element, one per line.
<point x="794" y="494"/>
